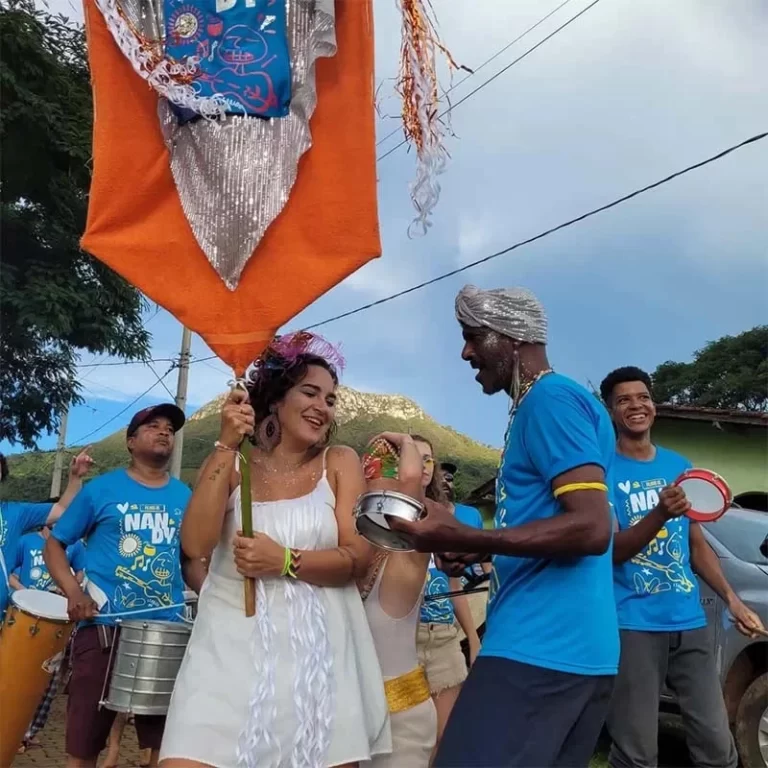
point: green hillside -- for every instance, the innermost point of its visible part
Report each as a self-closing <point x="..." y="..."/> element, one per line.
<point x="361" y="416"/>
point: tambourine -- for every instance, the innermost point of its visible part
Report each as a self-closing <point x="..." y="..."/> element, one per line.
<point x="708" y="493"/>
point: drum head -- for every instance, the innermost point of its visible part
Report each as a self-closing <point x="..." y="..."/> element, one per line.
<point x="45" y="605"/>
<point x="707" y="492"/>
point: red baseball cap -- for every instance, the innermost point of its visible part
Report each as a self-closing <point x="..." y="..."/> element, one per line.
<point x="171" y="412"/>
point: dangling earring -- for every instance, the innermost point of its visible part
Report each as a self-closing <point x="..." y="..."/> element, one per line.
<point x="269" y="433"/>
<point x="515" y="393"/>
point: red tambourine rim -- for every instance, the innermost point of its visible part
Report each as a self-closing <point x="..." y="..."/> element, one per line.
<point x="719" y="483"/>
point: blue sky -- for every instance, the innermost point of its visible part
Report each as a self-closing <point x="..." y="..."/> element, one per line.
<point x="627" y="94"/>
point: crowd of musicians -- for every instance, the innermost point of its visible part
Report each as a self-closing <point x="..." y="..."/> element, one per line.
<point x="349" y="659"/>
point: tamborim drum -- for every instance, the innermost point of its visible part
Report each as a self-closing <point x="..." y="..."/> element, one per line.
<point x="34" y="635"/>
<point x="373" y="526"/>
<point x="708" y="493"/>
<point x="147" y="661"/>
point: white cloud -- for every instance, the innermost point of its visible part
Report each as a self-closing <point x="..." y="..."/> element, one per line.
<point x="623" y="96"/>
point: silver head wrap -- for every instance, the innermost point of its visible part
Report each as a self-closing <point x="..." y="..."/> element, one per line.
<point x="512" y="312"/>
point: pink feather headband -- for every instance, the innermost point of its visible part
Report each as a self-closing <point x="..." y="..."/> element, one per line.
<point x="283" y="351"/>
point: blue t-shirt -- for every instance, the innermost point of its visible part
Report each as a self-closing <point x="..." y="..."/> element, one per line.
<point x="31" y="569"/>
<point x="76" y="556"/>
<point x="132" y="544"/>
<point x="558" y="614"/>
<point x="441" y="611"/>
<point x="656" y="590"/>
<point x="16" y="519"/>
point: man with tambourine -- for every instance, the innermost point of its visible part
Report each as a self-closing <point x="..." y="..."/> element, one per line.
<point x="658" y="547"/>
<point x="543" y="678"/>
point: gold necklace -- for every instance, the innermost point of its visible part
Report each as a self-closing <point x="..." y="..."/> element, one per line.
<point x="527" y="387"/>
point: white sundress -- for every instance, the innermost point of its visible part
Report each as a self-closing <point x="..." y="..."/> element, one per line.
<point x="296" y="686"/>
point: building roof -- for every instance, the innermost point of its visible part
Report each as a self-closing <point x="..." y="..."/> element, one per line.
<point x="726" y="416"/>
<point x="486" y="492"/>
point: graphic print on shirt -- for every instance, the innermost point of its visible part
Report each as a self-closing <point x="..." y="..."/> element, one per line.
<point x="499" y="521"/>
<point x="661" y="566"/>
<point x="149" y="551"/>
<point x="436" y="611"/>
<point x="39" y="578"/>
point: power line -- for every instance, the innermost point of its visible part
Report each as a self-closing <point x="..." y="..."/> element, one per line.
<point x="130" y="362"/>
<point x="528" y="241"/>
<point x="96" y="365"/>
<point x="133" y="402"/>
<point x="541" y="235"/>
<point x="160" y="381"/>
<point x="498" y="74"/>
<point x="487" y="62"/>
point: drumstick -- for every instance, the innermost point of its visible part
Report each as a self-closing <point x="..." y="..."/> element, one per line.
<point x="457" y="593"/>
<point x="246" y="513"/>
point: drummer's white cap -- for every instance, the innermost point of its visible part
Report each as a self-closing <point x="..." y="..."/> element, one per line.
<point x="512" y="312"/>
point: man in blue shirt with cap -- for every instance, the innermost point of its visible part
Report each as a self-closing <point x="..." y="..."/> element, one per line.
<point x="130" y="519"/>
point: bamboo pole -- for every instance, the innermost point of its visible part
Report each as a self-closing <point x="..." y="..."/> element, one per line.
<point x="246" y="513"/>
<point x="246" y="508"/>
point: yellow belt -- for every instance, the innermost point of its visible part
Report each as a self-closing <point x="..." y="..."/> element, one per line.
<point x="407" y="691"/>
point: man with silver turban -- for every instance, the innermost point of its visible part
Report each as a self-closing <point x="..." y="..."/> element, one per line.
<point x="544" y="676"/>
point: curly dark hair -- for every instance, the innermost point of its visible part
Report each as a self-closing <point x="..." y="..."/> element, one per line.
<point x="622" y="376"/>
<point x="435" y="490"/>
<point x="270" y="382"/>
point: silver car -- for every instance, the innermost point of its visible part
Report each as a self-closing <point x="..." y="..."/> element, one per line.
<point x="740" y="539"/>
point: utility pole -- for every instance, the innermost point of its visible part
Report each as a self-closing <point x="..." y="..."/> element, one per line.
<point x="58" y="463"/>
<point x="181" y="399"/>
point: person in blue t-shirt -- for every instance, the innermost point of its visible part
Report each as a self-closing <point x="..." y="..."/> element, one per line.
<point x="437" y="640"/>
<point x="20" y="517"/>
<point x="130" y="520"/>
<point x="32" y="572"/>
<point x="657" y="552"/>
<point x="543" y="679"/>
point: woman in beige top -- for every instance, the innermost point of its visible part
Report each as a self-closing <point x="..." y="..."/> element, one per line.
<point x="392" y="592"/>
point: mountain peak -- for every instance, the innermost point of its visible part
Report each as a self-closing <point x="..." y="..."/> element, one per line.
<point x="351" y="405"/>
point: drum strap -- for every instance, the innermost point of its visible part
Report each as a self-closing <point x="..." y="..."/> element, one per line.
<point x="106" y="636"/>
<point x="4" y="569"/>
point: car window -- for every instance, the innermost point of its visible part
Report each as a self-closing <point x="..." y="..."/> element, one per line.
<point x="741" y="532"/>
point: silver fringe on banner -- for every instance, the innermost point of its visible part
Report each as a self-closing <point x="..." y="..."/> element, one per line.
<point x="233" y="174"/>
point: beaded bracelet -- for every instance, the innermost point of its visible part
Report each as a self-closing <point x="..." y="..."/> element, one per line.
<point x="221" y="447"/>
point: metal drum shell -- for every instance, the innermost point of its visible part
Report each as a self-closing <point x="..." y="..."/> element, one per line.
<point x="371" y="525"/>
<point x="147" y="661"/>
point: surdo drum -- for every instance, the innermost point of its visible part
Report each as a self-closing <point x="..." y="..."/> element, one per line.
<point x="32" y="641"/>
<point x="708" y="493"/>
<point x="373" y="526"/>
<point x="146" y="663"/>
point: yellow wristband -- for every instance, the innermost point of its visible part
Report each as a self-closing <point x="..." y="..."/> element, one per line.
<point x="579" y="487"/>
<point x="286" y="562"/>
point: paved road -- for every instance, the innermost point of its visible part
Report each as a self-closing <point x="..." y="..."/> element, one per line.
<point x="50" y="753"/>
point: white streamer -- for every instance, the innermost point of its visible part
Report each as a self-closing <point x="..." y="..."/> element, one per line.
<point x="162" y="75"/>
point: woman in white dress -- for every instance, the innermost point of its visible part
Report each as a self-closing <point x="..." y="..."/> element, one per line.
<point x="299" y="684"/>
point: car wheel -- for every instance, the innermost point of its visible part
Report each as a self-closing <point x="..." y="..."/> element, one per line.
<point x="752" y="724"/>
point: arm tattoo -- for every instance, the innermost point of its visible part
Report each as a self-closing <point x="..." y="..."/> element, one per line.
<point x="217" y="471"/>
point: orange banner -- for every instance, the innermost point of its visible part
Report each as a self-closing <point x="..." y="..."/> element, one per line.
<point x="328" y="229"/>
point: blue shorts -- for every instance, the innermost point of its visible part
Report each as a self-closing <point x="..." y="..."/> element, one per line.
<point x="518" y="715"/>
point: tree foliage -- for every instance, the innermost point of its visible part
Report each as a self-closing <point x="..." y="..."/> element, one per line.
<point x="54" y="298"/>
<point x="731" y="372"/>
